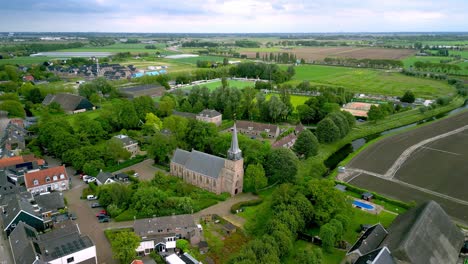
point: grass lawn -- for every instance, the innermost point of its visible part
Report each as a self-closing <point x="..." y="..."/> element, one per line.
<point x="360" y="217"/>
<point x="174" y="66"/>
<point x="256" y="216"/>
<point x="371" y="81"/>
<point x="296" y="100"/>
<point x="232" y="83"/>
<point x="434" y="59"/>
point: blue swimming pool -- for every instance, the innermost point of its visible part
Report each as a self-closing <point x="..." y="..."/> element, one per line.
<point x="363" y="205"/>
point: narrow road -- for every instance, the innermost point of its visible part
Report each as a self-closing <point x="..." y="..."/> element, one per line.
<point x="5" y="250"/>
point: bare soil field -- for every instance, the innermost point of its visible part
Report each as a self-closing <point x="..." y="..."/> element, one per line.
<point x="436" y="170"/>
<point x="400" y="192"/>
<point x="380" y="156"/>
<point x="320" y="53"/>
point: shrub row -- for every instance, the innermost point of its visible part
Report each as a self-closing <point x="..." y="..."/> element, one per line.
<point x="239" y="205"/>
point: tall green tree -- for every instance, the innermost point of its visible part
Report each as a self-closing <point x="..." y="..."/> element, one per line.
<point x="408" y="97"/>
<point x="115" y="150"/>
<point x="281" y="166"/>
<point x="327" y="131"/>
<point x="327" y="234"/>
<point x="124" y="245"/>
<point x="161" y="147"/>
<point x="309" y="256"/>
<point x="14" y="108"/>
<point x="255" y="178"/>
<point x="144" y="105"/>
<point x="306" y="144"/>
<point x="375" y="113"/>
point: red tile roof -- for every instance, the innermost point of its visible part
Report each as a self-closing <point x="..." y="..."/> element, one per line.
<point x="41" y="176"/>
<point x="137" y="261"/>
<point x="11" y="161"/>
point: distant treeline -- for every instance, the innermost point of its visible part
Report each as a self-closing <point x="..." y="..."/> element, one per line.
<point x="436" y="67"/>
<point x="28" y="49"/>
<point x="238" y="43"/>
<point x="365" y="63"/>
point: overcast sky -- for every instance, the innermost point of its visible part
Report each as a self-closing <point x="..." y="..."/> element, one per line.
<point x="233" y="15"/>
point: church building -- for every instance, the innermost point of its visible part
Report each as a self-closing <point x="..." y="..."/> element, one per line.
<point x="210" y="172"/>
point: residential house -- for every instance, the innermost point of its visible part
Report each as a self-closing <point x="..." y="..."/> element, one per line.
<point x="289" y="140"/>
<point x="210" y="116"/>
<point x="161" y="233"/>
<point x="64" y="244"/>
<point x="28" y="78"/>
<point x="49" y="205"/>
<point x="122" y="177"/>
<point x="70" y="103"/>
<point x="15" y="167"/>
<point x="104" y="178"/>
<point x="185" y="258"/>
<point x="424" y="234"/>
<point x="210" y="172"/>
<point x="129" y="144"/>
<point x="51" y="179"/>
<point x="255" y="129"/>
<point x="16" y="208"/>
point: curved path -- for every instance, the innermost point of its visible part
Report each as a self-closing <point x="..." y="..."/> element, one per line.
<point x="407" y="153"/>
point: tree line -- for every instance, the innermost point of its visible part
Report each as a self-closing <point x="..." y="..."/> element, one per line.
<point x="28" y="49"/>
<point x="365" y="63"/>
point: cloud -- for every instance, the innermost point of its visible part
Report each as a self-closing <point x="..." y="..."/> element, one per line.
<point x="233" y="15"/>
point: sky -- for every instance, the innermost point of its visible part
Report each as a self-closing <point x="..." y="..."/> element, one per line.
<point x="233" y="16"/>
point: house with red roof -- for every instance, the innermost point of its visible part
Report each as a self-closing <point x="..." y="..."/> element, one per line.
<point x="51" y="179"/>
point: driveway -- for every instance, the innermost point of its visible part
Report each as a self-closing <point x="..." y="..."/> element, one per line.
<point x="145" y="169"/>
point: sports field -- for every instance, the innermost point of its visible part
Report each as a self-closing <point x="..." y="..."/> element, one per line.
<point x="371" y="81"/>
<point x="25" y="60"/>
<point x="213" y="85"/>
<point x="421" y="164"/>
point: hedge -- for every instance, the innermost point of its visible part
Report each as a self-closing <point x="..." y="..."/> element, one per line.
<point x="355" y="189"/>
<point x="237" y="206"/>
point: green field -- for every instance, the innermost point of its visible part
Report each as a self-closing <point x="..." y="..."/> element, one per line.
<point x="232" y="83"/>
<point x="122" y="47"/>
<point x="25" y="60"/>
<point x="435" y="59"/>
<point x="194" y="60"/>
<point x="295" y="99"/>
<point x="174" y="66"/>
<point x="370" y="81"/>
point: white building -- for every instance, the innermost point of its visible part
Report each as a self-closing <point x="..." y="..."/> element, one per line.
<point x="46" y="180"/>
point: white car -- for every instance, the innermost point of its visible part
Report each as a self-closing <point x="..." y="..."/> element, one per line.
<point x="91" y="179"/>
<point x="91" y="197"/>
<point x="86" y="178"/>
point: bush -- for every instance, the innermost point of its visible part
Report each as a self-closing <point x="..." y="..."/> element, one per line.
<point x="127" y="215"/>
<point x="238" y="206"/>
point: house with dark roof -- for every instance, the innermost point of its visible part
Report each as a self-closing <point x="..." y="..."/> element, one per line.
<point x="15" y="209"/>
<point x="122" y="177"/>
<point x="49" y="205"/>
<point x="257" y="129"/>
<point x="64" y="244"/>
<point x="129" y="144"/>
<point x="289" y="140"/>
<point x="209" y="172"/>
<point x="161" y="233"/>
<point x="70" y="103"/>
<point x="104" y="178"/>
<point x="210" y="116"/>
<point x="15" y="167"/>
<point x="46" y="180"/>
<point x="424" y="234"/>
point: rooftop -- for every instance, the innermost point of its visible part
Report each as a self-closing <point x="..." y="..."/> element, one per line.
<point x="199" y="162"/>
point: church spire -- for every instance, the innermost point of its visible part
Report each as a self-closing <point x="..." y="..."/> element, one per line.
<point x="234" y="152"/>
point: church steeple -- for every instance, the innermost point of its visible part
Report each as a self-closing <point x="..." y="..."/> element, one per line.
<point x="234" y="152"/>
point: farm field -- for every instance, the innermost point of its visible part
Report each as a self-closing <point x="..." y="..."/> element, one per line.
<point x="193" y="60"/>
<point x="213" y="85"/>
<point x="25" y="60"/>
<point x="371" y="81"/>
<point x="120" y="47"/>
<point x="430" y="166"/>
<point x="434" y="59"/>
<point x="319" y="53"/>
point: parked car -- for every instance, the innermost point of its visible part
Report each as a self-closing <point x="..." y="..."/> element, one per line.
<point x="91" y="179"/>
<point x="102" y="212"/>
<point x="85" y="178"/>
<point x="91" y="197"/>
<point x="95" y="205"/>
<point x="136" y="175"/>
<point x="104" y="219"/>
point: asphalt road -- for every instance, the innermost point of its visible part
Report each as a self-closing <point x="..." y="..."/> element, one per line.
<point x="5" y="251"/>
